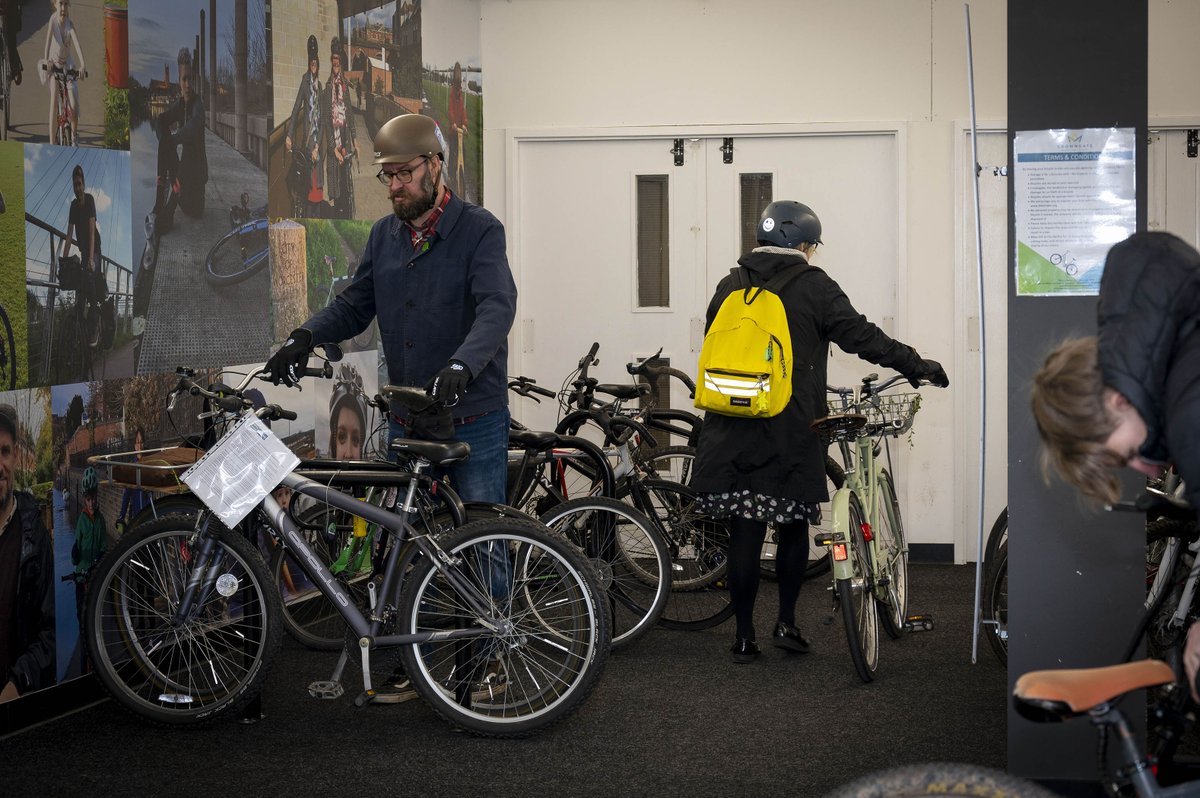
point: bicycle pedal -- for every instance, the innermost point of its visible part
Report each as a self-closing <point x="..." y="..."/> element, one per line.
<point x="918" y="623"/>
<point x="326" y="690"/>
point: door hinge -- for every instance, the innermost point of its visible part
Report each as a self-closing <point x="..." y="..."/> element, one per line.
<point x="727" y="150"/>
<point x="677" y="151"/>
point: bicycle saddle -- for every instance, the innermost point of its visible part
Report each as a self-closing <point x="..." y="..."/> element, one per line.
<point x="531" y="439"/>
<point x="623" y="391"/>
<point x="1061" y="693"/>
<point x="437" y="452"/>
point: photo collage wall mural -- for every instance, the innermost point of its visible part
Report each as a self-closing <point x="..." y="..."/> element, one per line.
<point x="195" y="180"/>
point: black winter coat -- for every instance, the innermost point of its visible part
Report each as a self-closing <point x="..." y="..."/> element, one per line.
<point x="781" y="456"/>
<point x="1149" y="344"/>
<point x="34" y="633"/>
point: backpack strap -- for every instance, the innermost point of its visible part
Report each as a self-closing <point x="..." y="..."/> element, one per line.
<point x="741" y="280"/>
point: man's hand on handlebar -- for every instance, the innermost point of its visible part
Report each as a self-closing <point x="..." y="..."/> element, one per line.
<point x="287" y="365"/>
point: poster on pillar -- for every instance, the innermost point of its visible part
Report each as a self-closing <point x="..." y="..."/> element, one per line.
<point x="1074" y="197"/>
<point x="200" y="107"/>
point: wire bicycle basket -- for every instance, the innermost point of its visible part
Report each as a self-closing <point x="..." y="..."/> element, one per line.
<point x="876" y="414"/>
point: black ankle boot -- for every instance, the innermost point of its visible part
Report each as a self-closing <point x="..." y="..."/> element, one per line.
<point x="744" y="650"/>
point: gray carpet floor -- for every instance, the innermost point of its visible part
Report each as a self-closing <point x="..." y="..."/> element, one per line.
<point x="672" y="716"/>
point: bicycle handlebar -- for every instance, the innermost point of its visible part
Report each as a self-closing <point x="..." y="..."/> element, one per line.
<point x="525" y="386"/>
<point x="648" y="368"/>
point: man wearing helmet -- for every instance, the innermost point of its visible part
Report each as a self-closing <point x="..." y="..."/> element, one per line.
<point x="435" y="274"/>
<point x="26" y="587"/>
<point x="305" y="140"/>
<point x="760" y="470"/>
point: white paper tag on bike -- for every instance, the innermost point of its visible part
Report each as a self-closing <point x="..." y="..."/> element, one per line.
<point x="238" y="472"/>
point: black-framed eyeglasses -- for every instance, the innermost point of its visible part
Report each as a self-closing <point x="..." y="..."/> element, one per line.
<point x="386" y="175"/>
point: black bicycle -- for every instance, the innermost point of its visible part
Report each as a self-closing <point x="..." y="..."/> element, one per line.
<point x="242" y="252"/>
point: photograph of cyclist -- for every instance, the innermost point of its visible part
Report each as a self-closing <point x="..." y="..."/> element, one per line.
<point x="200" y="111"/>
<point x="10" y="10"/>
<point x="62" y="54"/>
<point x="59" y="49"/>
<point x="27" y="602"/>
<point x="342" y="403"/>
<point x="374" y="73"/>
<point x="452" y="83"/>
<point x="341" y="146"/>
<point x="77" y="247"/>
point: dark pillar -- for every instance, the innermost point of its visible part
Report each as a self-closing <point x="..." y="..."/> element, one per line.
<point x="212" y="64"/>
<point x="241" y="48"/>
<point x="1076" y="577"/>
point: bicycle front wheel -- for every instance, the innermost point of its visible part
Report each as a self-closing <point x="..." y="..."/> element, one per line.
<point x="891" y="585"/>
<point x="860" y="615"/>
<point x="543" y="637"/>
<point x="239" y="254"/>
<point x="630" y="555"/>
<point x="191" y="670"/>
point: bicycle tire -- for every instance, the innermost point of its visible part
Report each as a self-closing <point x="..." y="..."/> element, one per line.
<point x="630" y="555"/>
<point x="860" y="615"/>
<point x="997" y="604"/>
<point x="939" y="778"/>
<point x="818" y="556"/>
<point x="548" y="670"/>
<point x="8" y="352"/>
<point x="216" y="660"/>
<point x="672" y="463"/>
<point x="308" y="615"/>
<point x="995" y="581"/>
<point x="699" y="548"/>
<point x="239" y="254"/>
<point x="891" y="589"/>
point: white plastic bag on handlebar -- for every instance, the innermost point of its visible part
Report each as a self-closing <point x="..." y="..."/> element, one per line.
<point x="238" y="472"/>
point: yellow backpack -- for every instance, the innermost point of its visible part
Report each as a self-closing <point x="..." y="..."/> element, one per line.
<point x="745" y="364"/>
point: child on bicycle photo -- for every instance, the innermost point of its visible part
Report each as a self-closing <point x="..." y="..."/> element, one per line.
<point x="57" y="61"/>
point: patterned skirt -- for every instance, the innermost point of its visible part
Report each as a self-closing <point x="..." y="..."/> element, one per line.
<point x="757" y="507"/>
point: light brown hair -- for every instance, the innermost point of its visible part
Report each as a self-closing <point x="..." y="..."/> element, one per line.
<point x="1068" y="405"/>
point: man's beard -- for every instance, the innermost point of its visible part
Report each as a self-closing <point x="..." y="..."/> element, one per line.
<point x="410" y="208"/>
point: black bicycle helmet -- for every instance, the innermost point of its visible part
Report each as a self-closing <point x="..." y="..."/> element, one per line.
<point x="788" y="223"/>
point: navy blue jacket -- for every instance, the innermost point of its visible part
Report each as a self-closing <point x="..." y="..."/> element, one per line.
<point x="454" y="301"/>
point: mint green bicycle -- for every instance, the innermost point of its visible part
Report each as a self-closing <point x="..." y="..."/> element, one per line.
<point x="866" y="537"/>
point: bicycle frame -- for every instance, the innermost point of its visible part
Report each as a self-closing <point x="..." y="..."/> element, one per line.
<point x="204" y="577"/>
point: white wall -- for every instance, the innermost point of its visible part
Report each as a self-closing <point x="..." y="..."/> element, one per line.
<point x="641" y="63"/>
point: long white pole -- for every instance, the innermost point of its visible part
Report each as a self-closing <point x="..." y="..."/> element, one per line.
<point x="982" y="344"/>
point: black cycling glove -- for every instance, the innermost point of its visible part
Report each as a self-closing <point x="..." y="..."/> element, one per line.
<point x="449" y="384"/>
<point x="929" y="370"/>
<point x="288" y="364"/>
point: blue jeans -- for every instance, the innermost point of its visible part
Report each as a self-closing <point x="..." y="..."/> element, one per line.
<point x="482" y="477"/>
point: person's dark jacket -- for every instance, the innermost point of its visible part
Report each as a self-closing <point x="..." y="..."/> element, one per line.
<point x="187" y="119"/>
<point x="1149" y="344"/>
<point x="34" y="668"/>
<point x="781" y="456"/>
<point x="455" y="300"/>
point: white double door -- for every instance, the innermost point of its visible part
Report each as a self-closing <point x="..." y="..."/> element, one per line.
<point x="575" y="232"/>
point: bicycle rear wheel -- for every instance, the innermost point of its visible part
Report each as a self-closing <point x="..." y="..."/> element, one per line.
<point x="630" y="555"/>
<point x="699" y="547"/>
<point x="239" y="254"/>
<point x="308" y="615"/>
<point x="891" y="587"/>
<point x="212" y="662"/>
<point x="552" y="623"/>
<point x="860" y="615"/>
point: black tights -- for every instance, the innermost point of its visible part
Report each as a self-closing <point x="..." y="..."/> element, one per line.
<point x="791" y="560"/>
